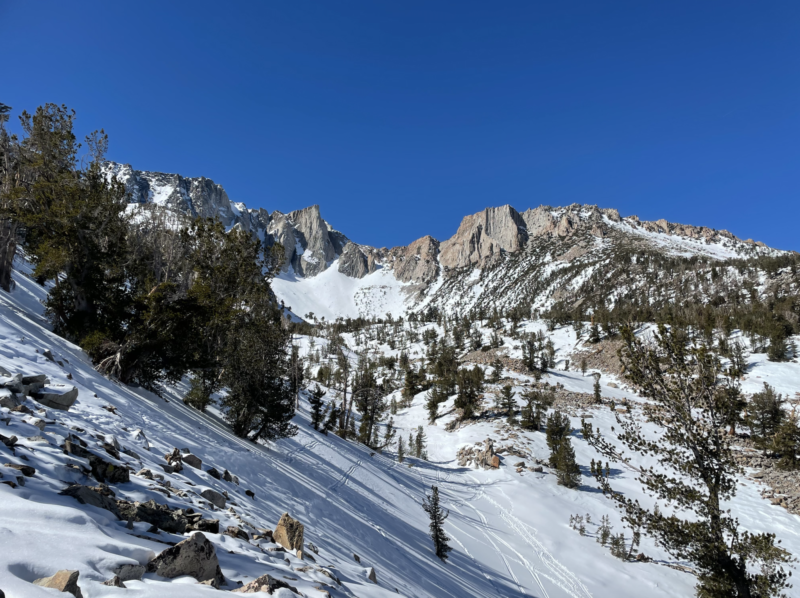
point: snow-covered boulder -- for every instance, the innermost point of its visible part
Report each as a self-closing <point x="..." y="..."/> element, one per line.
<point x="194" y="557"/>
<point x="56" y="396"/>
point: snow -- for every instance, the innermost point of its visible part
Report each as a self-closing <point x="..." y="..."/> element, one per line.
<point x="331" y="294"/>
<point x="510" y="533"/>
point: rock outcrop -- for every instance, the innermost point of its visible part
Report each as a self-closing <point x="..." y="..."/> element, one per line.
<point x="266" y="584"/>
<point x="63" y="581"/>
<point x="483" y="236"/>
<point x="194" y="557"/>
<point x="417" y="262"/>
<point x="289" y="533"/>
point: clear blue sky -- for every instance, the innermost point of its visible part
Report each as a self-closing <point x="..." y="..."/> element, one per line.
<point x="400" y="117"/>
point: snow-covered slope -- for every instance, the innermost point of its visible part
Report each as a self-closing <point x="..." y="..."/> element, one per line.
<point x="509" y="529"/>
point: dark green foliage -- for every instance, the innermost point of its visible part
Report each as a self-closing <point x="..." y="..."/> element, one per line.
<point x="420" y="443"/>
<point x="470" y="384"/>
<point x="764" y="416"/>
<point x="598" y="397"/>
<point x="370" y="402"/>
<point x="401" y="450"/>
<point x="692" y="402"/>
<point x="437" y="516"/>
<point x="786" y="443"/>
<point x="497" y="370"/>
<point x="507" y="403"/>
<point x="567" y="471"/>
<point x="332" y="421"/>
<point x="316" y="402"/>
<point x="558" y="428"/>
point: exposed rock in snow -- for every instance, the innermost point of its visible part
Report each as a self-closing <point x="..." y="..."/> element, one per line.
<point x="194" y="557"/>
<point x="289" y="533"/>
<point x="63" y="581"/>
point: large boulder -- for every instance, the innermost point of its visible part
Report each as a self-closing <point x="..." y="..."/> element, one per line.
<point x="95" y="497"/>
<point x="289" y="533"/>
<point x="56" y="396"/>
<point x="193" y="461"/>
<point x="214" y="497"/>
<point x="265" y="583"/>
<point x="194" y="557"/>
<point x="8" y="398"/>
<point x="63" y="581"/>
<point x="173" y="521"/>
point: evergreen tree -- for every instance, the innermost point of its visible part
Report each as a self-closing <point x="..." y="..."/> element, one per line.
<point x="470" y="383"/>
<point x="598" y="397"/>
<point x="584" y="366"/>
<point x="332" y="421"/>
<point x="567" y="471"/>
<point x="508" y="404"/>
<point x="764" y="416"/>
<point x="691" y="400"/>
<point x="420" y="442"/>
<point x="786" y="443"/>
<point x="316" y="402"/>
<point x="437" y="515"/>
<point x="497" y="370"/>
<point x="558" y="428"/>
<point x="401" y="450"/>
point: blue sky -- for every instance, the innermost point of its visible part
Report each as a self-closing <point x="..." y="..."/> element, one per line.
<point x="399" y="118"/>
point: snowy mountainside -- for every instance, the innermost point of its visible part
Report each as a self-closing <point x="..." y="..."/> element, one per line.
<point x="509" y="527"/>
<point x="498" y="258"/>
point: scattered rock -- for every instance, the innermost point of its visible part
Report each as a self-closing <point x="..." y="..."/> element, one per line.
<point x="236" y="532"/>
<point x="130" y="572"/>
<point x="145" y="473"/>
<point x="162" y="517"/>
<point x="114" y="582"/>
<point x="175" y="459"/>
<point x="265" y="583"/>
<point x="226" y="475"/>
<point x="356" y="558"/>
<point x="289" y="533"/>
<point x="193" y="461"/>
<point x="25" y="470"/>
<point x="214" y="497"/>
<point x="612" y="385"/>
<point x="96" y="497"/>
<point x="63" y="581"/>
<point x="104" y="471"/>
<point x="371" y="575"/>
<point x="194" y="557"/>
<point x="8" y="398"/>
<point x="213" y="473"/>
<point x="250" y="493"/>
<point x="56" y="396"/>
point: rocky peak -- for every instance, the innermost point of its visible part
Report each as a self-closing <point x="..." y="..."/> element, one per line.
<point x="483" y="236"/>
<point x="417" y="262"/>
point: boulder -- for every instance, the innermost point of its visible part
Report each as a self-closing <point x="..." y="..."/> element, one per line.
<point x="12" y="383"/>
<point x="214" y="497"/>
<point x="56" y="396"/>
<point x="173" y="521"/>
<point x="130" y="572"/>
<point x="104" y="471"/>
<point x="95" y="497"/>
<point x="36" y="422"/>
<point x="265" y="583"/>
<point x="63" y="581"/>
<point x="289" y="533"/>
<point x="236" y="532"/>
<point x="214" y="474"/>
<point x="371" y="575"/>
<point x="193" y="461"/>
<point x="8" y="398"/>
<point x="25" y="470"/>
<point x="175" y="459"/>
<point x="226" y="475"/>
<point x="194" y="557"/>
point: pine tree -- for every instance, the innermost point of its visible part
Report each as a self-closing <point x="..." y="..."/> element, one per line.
<point x="558" y="428"/>
<point x="764" y="416"/>
<point x="692" y="401"/>
<point x="420" y="442"/>
<point x="497" y="370"/>
<point x="432" y="404"/>
<point x="401" y="450"/>
<point x="597" y="396"/>
<point x="786" y="443"/>
<point x="508" y="404"/>
<point x="437" y="516"/>
<point x="332" y="421"/>
<point x="584" y="366"/>
<point x="316" y="402"/>
<point x="567" y="471"/>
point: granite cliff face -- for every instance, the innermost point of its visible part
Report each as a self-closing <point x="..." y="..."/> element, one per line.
<point x="498" y="256"/>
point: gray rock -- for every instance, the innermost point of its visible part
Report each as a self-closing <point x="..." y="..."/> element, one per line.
<point x="56" y="396"/>
<point x="194" y="557"/>
<point x="162" y="517"/>
<point x="214" y="473"/>
<point x="95" y="497"/>
<point x="114" y="582"/>
<point x="193" y="461"/>
<point x="265" y="583"/>
<point x="130" y="572"/>
<point x="63" y="581"/>
<point x="214" y="497"/>
<point x="8" y="398"/>
<point x="371" y="575"/>
<point x="289" y="533"/>
<point x="25" y="470"/>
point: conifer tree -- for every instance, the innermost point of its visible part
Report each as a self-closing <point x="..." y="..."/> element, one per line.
<point x="508" y="403"/>
<point x="401" y="450"/>
<point x="437" y="515"/>
<point x="316" y="402"/>
<point x="764" y="416"/>
<point x="692" y="399"/>
<point x="786" y="443"/>
<point x="420" y="443"/>
<point x="567" y="471"/>
<point x="598" y="398"/>
<point x="584" y="366"/>
<point x="558" y="428"/>
<point x="332" y="421"/>
<point x="497" y="370"/>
